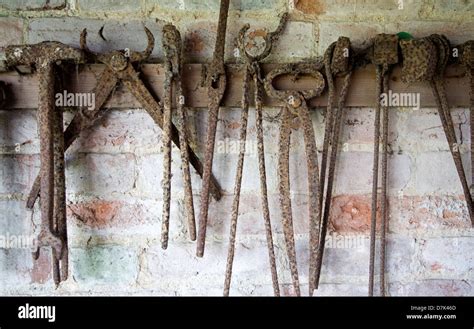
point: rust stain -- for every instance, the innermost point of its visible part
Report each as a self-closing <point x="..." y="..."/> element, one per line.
<point x="194" y="43"/>
<point x="448" y="214"/>
<point x="253" y="36"/>
<point x="310" y="7"/>
<point x="436" y="267"/>
<point x="105" y="212"/>
<point x="233" y="125"/>
<point x="96" y="213"/>
<point x="258" y="33"/>
<point x="450" y="289"/>
<point x="119" y="140"/>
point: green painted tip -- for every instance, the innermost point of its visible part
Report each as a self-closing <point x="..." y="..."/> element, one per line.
<point x="404" y="36"/>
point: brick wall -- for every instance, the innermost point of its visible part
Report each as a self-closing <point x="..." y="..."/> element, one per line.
<point x="114" y="170"/>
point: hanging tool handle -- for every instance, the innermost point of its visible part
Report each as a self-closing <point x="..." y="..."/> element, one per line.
<point x="216" y="77"/>
<point x="295" y="70"/>
<point x="42" y="53"/>
<point x="216" y="81"/>
<point x="217" y="65"/>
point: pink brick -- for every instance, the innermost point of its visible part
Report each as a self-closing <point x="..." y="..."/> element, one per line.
<point x="100" y="213"/>
<point x="199" y="40"/>
<point x="351" y="213"/>
<point x="309" y="7"/>
<point x="428" y="213"/>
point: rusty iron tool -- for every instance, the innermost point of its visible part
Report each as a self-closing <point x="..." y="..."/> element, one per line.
<point x="425" y="60"/>
<point x="120" y="68"/>
<point x="296" y="108"/>
<point x="173" y="71"/>
<point x="44" y="56"/>
<point x="337" y="61"/>
<point x="467" y="60"/>
<point x="438" y="88"/>
<point x="216" y="81"/>
<point x="60" y="267"/>
<point x="384" y="56"/>
<point x="252" y="71"/>
<point x="166" y="138"/>
<point x="384" y="196"/>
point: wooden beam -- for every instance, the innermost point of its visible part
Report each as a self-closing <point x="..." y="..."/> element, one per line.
<point x="24" y="88"/>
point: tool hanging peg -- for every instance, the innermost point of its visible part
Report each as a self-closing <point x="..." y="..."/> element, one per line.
<point x="44" y="56"/>
<point x="384" y="56"/>
<point x="296" y="108"/>
<point x="425" y="60"/>
<point x="252" y="71"/>
<point x="216" y="81"/>
<point x="173" y="72"/>
<point x="337" y="62"/>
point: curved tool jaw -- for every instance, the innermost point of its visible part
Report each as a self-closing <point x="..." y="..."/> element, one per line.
<point x="119" y="59"/>
<point x="270" y="40"/>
